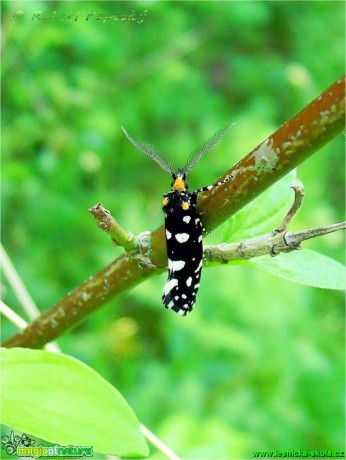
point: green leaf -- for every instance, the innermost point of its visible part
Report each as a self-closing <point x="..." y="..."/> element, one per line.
<point x="264" y="213"/>
<point x="57" y="398"/>
<point x="305" y="267"/>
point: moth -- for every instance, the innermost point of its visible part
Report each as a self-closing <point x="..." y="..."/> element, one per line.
<point x="183" y="227"/>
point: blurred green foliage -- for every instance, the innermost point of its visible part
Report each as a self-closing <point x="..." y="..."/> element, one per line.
<point x="259" y="364"/>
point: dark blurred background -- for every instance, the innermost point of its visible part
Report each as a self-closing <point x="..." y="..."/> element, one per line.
<point x="259" y="364"/>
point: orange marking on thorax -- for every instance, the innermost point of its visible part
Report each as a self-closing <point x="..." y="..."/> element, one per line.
<point x="179" y="184"/>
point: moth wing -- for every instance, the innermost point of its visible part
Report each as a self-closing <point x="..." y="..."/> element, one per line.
<point x="185" y="255"/>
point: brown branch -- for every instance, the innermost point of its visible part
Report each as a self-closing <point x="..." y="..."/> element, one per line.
<point x="281" y="152"/>
<point x="289" y="146"/>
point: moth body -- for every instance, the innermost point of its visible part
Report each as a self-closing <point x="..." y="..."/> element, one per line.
<point x="183" y="229"/>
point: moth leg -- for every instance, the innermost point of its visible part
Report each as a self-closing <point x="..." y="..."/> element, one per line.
<point x="205" y="189"/>
<point x="210" y="187"/>
<point x="199" y="220"/>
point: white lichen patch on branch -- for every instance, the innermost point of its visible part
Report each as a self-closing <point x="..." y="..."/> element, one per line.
<point x="265" y="156"/>
<point x="61" y="312"/>
<point x="286" y="145"/>
<point x="85" y="296"/>
<point x="324" y="116"/>
<point x="53" y="323"/>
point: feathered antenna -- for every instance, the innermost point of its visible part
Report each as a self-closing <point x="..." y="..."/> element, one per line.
<point x="149" y="150"/>
<point x="204" y="148"/>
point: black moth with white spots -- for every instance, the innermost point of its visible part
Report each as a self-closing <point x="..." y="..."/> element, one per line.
<point x="183" y="228"/>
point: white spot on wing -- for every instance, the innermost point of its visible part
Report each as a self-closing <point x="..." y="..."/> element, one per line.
<point x="182" y="237"/>
<point x="189" y="281"/>
<point x="176" y="265"/>
<point x="199" y="267"/>
<point x="168" y="234"/>
<point x="187" y="219"/>
<point x="170" y="284"/>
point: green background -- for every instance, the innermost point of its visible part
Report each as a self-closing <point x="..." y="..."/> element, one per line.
<point x="259" y="364"/>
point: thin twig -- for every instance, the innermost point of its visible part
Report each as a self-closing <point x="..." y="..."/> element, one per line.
<point x="21" y="292"/>
<point x="270" y="244"/>
<point x="293" y="239"/>
<point x="12" y="316"/>
<point x="298" y="199"/>
<point x="155" y="441"/>
<point x="17" y="285"/>
<point x="108" y="224"/>
<point x="21" y="324"/>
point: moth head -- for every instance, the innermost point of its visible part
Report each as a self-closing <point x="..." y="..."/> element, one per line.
<point x="179" y="184"/>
